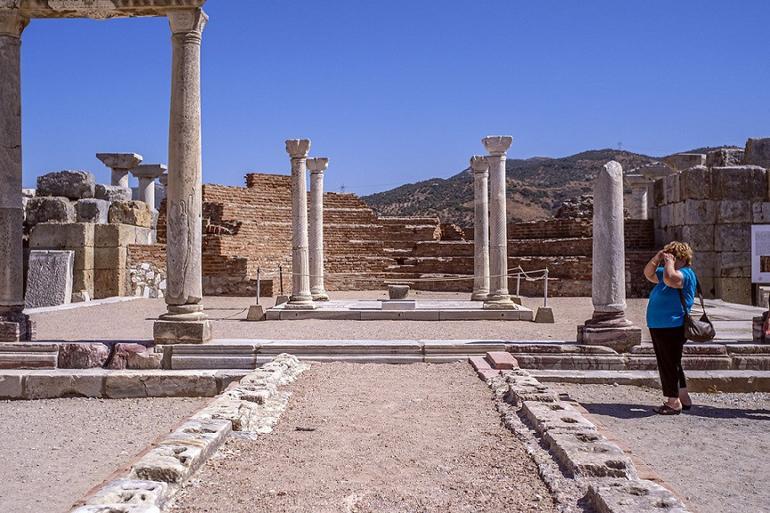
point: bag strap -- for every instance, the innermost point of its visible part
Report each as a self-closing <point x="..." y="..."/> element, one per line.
<point x="698" y="291"/>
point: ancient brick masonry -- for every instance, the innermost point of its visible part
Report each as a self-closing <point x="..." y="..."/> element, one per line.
<point x="249" y="228"/>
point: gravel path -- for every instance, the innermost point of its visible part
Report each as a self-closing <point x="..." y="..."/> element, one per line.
<point x="376" y="438"/>
<point x="229" y="313"/>
<point x="54" y="451"/>
<point x="715" y="456"/>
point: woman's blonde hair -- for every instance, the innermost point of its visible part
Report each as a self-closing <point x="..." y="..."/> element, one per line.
<point x="680" y="250"/>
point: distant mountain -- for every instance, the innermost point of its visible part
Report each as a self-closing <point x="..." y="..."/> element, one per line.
<point x="536" y="188"/>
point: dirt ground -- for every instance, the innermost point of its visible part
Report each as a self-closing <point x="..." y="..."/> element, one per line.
<point x="54" y="451"/>
<point x="376" y="438"/>
<point x="715" y="456"/>
<point x="229" y="313"/>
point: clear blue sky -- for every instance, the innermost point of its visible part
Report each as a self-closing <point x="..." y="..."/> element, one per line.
<point x="400" y="91"/>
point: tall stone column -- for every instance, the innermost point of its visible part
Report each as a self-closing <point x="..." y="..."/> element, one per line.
<point x="120" y="165"/>
<point x="146" y="174"/>
<point x="480" y="170"/>
<point x="14" y="325"/>
<point x="301" y="298"/>
<point x="317" y="166"/>
<point x="608" y="326"/>
<point x="640" y="186"/>
<point x="498" y="297"/>
<point x="184" y="322"/>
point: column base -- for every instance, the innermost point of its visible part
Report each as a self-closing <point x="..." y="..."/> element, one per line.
<point x="320" y="296"/>
<point x="621" y="339"/>
<point x="181" y="332"/>
<point x="608" y="320"/>
<point x="517" y="300"/>
<point x="301" y="302"/>
<point x="184" y="313"/>
<point x="500" y="302"/>
<point x="479" y="296"/>
<point x="15" y="325"/>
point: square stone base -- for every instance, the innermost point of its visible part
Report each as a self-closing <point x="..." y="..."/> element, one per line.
<point x="256" y="313"/>
<point x="23" y="331"/>
<point x="620" y="339"/>
<point x="181" y="332"/>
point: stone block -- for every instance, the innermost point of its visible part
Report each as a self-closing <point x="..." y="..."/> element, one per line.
<point x="527" y="388"/>
<point x="113" y="259"/>
<point x="117" y="508"/>
<point x="740" y="183"/>
<point x="61" y="236"/>
<point x="110" y="283"/>
<point x="82" y="355"/>
<point x="705" y="263"/>
<point x="74" y="185"/>
<point x="144" y="235"/>
<point x="11" y="387"/>
<point x="83" y="280"/>
<point x="682" y="161"/>
<point x="666" y="216"/>
<point x="49" y="210"/>
<point x="696" y="183"/>
<point x="671" y="193"/>
<point x="501" y="360"/>
<point x="84" y="258"/>
<point x="131" y="491"/>
<point x="698" y="211"/>
<point x="620" y="339"/>
<point x="114" y="235"/>
<point x="637" y="496"/>
<point x="30" y="355"/>
<point x="700" y="237"/>
<point x="678" y="214"/>
<point x="121" y="354"/>
<point x="147" y="360"/>
<point x="760" y="212"/>
<point x="135" y="213"/>
<point x="757" y="152"/>
<point x="732" y="237"/>
<point x="734" y="211"/>
<point x="92" y="211"/>
<point x="544" y="315"/>
<point x="559" y="416"/>
<point x="55" y="385"/>
<point x="166" y="463"/>
<point x="398" y="291"/>
<point x="181" y="332"/>
<point x="112" y="193"/>
<point x="734" y="264"/>
<point x="589" y="454"/>
<point x="734" y="290"/>
<point x="724" y="157"/>
<point x="658" y="195"/>
<point x="49" y="278"/>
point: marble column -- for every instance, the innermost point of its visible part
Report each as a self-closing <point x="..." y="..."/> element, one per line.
<point x="14" y="325"/>
<point x="301" y="298"/>
<point x="120" y="165"/>
<point x="184" y="322"/>
<point x="146" y="174"/>
<point x="498" y="297"/>
<point x="317" y="166"/>
<point x="640" y="186"/>
<point x="608" y="326"/>
<point x="480" y="170"/>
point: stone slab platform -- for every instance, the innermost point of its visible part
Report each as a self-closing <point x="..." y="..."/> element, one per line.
<point x="425" y="310"/>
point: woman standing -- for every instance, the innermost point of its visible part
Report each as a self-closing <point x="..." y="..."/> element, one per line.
<point x="670" y="270"/>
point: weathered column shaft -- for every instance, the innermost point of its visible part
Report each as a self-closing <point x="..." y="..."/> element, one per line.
<point x="480" y="170"/>
<point x="184" y="225"/>
<point x="317" y="167"/>
<point x="147" y="191"/>
<point x="639" y="202"/>
<point x="11" y="214"/>
<point x="119" y="178"/>
<point x="300" y="267"/>
<point x="608" y="284"/>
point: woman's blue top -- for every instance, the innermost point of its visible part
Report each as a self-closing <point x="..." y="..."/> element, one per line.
<point x="664" y="309"/>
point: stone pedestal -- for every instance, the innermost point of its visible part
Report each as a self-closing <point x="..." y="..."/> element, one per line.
<point x="14" y="325"/>
<point x="120" y="165"/>
<point x="301" y="298"/>
<point x="608" y="326"/>
<point x="317" y="166"/>
<point x="184" y="322"/>
<point x="147" y="174"/>
<point x="480" y="170"/>
<point x="498" y="297"/>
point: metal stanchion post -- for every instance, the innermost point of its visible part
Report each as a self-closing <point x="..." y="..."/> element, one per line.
<point x="259" y="284"/>
<point x="545" y="289"/>
<point x="545" y="313"/>
<point x="256" y="312"/>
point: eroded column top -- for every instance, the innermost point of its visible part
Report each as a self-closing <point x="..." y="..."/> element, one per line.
<point x="297" y="148"/>
<point x="12" y="23"/>
<point x="150" y="171"/>
<point x="120" y="160"/>
<point x="479" y="164"/>
<point x="96" y="9"/>
<point x="185" y="21"/>
<point x="317" y="165"/>
<point x="497" y="144"/>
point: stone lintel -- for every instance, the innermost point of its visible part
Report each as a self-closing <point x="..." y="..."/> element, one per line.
<point x="151" y="171"/>
<point x="95" y="9"/>
<point x="120" y="160"/>
<point x="637" y="180"/>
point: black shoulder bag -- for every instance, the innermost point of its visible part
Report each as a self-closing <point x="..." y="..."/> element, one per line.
<point x="697" y="330"/>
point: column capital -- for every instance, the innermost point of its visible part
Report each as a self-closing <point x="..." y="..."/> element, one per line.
<point x="12" y="23"/>
<point x="120" y="160"/>
<point x="298" y="148"/>
<point x="149" y="171"/>
<point x="479" y="164"/>
<point x="497" y="144"/>
<point x="317" y="165"/>
<point x="185" y="21"/>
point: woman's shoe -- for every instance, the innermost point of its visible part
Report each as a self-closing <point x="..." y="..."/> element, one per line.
<point x="687" y="407"/>
<point x="666" y="410"/>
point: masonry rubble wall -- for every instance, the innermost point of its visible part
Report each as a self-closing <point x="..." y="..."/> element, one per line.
<point x="712" y="208"/>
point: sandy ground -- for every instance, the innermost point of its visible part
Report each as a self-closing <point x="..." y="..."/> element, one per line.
<point x="715" y="456"/>
<point x="133" y="321"/>
<point x="376" y="438"/>
<point x="54" y="451"/>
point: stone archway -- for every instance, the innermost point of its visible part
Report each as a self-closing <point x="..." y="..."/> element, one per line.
<point x="184" y="320"/>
